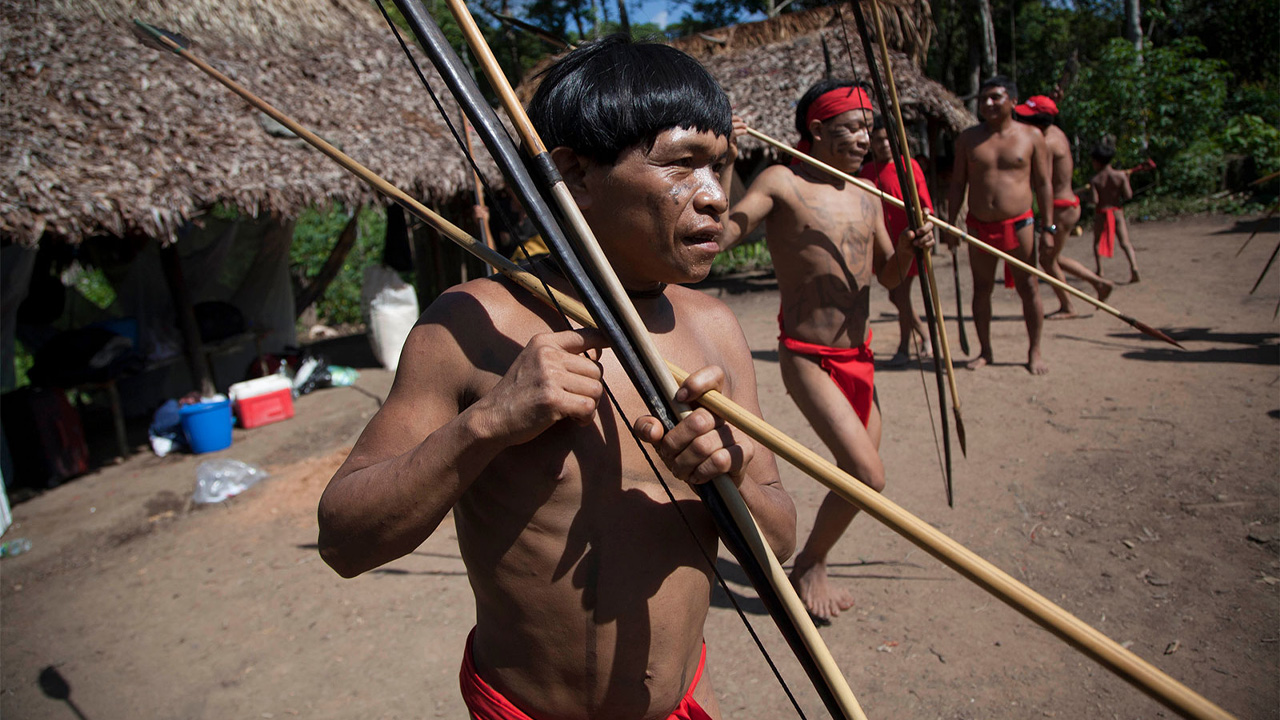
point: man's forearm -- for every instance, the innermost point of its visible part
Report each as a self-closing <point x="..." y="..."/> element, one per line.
<point x="377" y="513"/>
<point x="775" y="514"/>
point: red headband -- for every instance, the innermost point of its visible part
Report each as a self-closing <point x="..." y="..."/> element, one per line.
<point x="831" y="104"/>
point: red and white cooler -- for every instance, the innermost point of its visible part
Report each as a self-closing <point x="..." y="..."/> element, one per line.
<point x="262" y="400"/>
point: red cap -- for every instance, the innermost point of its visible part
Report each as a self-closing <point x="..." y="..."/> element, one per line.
<point x="1035" y="105"/>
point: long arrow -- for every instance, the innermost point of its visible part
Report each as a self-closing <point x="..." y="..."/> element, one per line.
<point x="888" y="99"/>
<point x="966" y="237"/>
<point x="1004" y="587"/>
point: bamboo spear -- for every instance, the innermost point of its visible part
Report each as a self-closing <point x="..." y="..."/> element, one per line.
<point x="1034" y="606"/>
<point x="973" y="241"/>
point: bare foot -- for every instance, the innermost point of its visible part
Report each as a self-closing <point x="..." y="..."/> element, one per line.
<point x="1035" y="364"/>
<point x="899" y="359"/>
<point x="1133" y="277"/>
<point x="978" y="362"/>
<point x="1104" y="290"/>
<point x="1062" y="313"/>
<point x="823" y="601"/>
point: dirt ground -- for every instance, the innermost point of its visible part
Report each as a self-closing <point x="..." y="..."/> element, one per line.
<point x="1135" y="486"/>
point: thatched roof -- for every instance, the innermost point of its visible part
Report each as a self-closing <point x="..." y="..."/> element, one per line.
<point x="908" y="26"/>
<point x="101" y="134"/>
<point x="766" y="66"/>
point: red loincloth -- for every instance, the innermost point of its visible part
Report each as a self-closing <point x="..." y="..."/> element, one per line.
<point x="1001" y="235"/>
<point x="851" y="369"/>
<point x="1107" y="238"/>
<point x="1064" y="204"/>
<point x="485" y="703"/>
<point x="885" y="177"/>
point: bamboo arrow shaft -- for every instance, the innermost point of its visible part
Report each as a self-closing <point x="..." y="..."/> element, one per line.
<point x="948" y="227"/>
<point x="918" y="213"/>
<point x="997" y="582"/>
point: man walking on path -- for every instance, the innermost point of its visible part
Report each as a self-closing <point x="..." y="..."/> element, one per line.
<point x="1110" y="189"/>
<point x="828" y="239"/>
<point x="1039" y="111"/>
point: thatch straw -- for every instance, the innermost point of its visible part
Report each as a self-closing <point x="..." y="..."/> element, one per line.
<point x="908" y="28"/>
<point x="764" y="81"/>
<point x="100" y="134"/>
<point x="766" y="66"/>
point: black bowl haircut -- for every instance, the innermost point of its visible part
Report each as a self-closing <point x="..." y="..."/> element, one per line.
<point x="814" y="92"/>
<point x="612" y="94"/>
<point x="1002" y="81"/>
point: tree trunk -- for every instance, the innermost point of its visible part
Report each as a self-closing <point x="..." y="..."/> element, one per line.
<point x="337" y="256"/>
<point x="622" y="18"/>
<point x="987" y="31"/>
<point x="1133" y="24"/>
<point x="975" y="73"/>
<point x="1133" y="33"/>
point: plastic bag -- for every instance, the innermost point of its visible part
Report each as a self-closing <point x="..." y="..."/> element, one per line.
<point x="390" y="308"/>
<point x="342" y="376"/>
<point x="312" y="374"/>
<point x="217" y="480"/>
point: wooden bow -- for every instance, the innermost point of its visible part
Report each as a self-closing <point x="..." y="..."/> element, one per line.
<point x="915" y="218"/>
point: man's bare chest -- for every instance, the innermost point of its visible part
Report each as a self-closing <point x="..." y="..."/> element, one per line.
<point x="1002" y="154"/>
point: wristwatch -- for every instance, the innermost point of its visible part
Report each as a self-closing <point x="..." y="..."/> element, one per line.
<point x="1051" y="229"/>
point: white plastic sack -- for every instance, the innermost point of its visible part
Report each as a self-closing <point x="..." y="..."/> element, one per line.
<point x="391" y="310"/>
<point x="217" y="480"/>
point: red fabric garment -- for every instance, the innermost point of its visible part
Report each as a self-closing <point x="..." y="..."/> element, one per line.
<point x="1001" y="235"/>
<point x="485" y="703"/>
<point x="851" y="369"/>
<point x="885" y="177"/>
<point x="1064" y="204"/>
<point x="1107" y="238"/>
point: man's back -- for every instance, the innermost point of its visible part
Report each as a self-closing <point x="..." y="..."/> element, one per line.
<point x="998" y="166"/>
<point x="821" y="235"/>
<point x="1111" y="187"/>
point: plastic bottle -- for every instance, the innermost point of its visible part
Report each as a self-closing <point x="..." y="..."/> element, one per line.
<point x="14" y="547"/>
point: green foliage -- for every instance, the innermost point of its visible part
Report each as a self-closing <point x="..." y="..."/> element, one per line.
<point x="23" y="361"/>
<point x="1172" y="96"/>
<point x="744" y="257"/>
<point x="92" y="283"/>
<point x="314" y="235"/>
<point x="1251" y="135"/>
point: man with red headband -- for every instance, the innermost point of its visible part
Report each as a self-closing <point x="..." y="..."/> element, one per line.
<point x="827" y="239"/>
<point x="1039" y="111"/>
<point x="1002" y="164"/>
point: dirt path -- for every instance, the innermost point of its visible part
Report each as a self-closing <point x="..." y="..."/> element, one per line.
<point x="1135" y="485"/>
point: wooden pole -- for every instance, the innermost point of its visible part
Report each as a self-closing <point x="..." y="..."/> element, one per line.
<point x="197" y="362"/>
